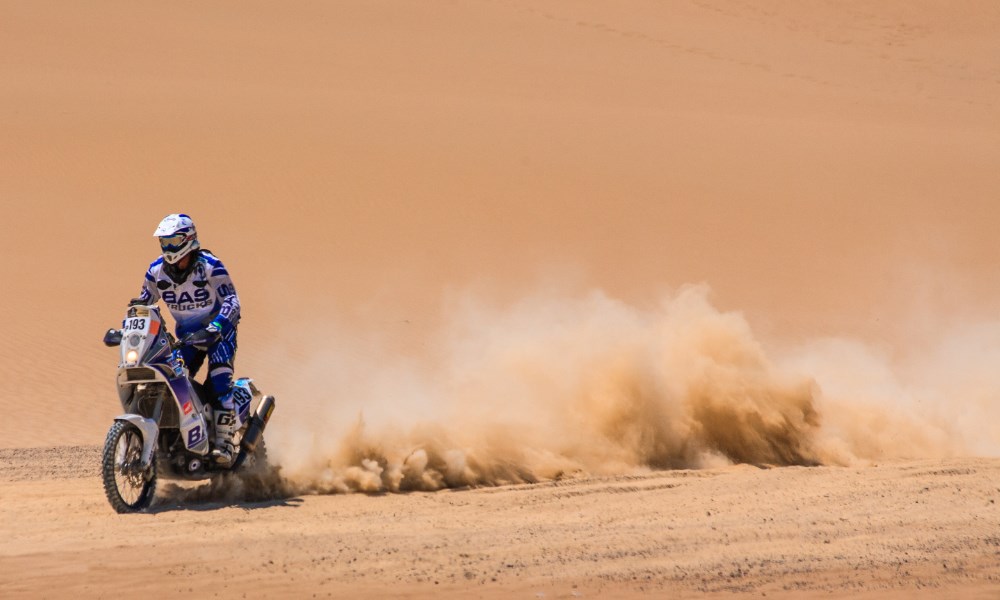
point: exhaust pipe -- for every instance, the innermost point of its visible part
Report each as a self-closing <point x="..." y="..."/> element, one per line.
<point x="258" y="422"/>
<point x="256" y="428"/>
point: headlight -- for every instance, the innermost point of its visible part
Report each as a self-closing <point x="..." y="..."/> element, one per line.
<point x="131" y="356"/>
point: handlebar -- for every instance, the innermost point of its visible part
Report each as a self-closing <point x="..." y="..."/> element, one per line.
<point x="202" y="338"/>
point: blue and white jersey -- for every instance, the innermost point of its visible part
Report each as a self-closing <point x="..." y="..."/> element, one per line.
<point x="207" y="294"/>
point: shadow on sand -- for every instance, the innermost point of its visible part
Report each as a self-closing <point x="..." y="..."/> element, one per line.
<point x="169" y="504"/>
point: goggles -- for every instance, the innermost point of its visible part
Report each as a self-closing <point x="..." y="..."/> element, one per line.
<point x="174" y="243"/>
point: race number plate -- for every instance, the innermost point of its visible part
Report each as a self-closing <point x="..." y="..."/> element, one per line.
<point x="136" y="325"/>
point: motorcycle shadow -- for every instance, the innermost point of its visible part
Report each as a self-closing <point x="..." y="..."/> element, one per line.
<point x="249" y="492"/>
<point x="170" y="505"/>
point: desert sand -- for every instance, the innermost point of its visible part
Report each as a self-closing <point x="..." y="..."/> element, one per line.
<point x="917" y="529"/>
<point x="603" y="299"/>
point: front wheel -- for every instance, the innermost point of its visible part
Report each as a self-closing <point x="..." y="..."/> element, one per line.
<point x="128" y="486"/>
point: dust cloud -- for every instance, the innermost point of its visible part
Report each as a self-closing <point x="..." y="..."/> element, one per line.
<point x="557" y="386"/>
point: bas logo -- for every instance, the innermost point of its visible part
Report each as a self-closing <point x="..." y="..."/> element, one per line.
<point x="171" y="297"/>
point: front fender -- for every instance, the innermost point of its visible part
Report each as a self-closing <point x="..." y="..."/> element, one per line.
<point x="150" y="431"/>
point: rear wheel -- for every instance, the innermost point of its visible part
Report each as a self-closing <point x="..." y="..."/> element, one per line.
<point x="257" y="462"/>
<point x="252" y="462"/>
<point x="128" y="486"/>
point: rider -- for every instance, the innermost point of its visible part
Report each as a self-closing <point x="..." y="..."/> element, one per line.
<point x="196" y="287"/>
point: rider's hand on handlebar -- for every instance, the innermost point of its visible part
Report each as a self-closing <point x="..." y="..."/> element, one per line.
<point x="215" y="330"/>
<point x="203" y="338"/>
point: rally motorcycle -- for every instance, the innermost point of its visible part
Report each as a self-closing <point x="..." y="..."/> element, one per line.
<point x="168" y="418"/>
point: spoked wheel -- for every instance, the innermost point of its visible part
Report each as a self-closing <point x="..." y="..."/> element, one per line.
<point x="252" y="462"/>
<point x="128" y="486"/>
<point x="257" y="461"/>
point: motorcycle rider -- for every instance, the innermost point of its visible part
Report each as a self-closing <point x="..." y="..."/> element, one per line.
<point x="196" y="287"/>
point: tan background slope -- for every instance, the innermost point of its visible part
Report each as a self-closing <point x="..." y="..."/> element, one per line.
<point x="828" y="168"/>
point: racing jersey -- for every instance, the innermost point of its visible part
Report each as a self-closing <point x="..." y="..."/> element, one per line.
<point x="207" y="294"/>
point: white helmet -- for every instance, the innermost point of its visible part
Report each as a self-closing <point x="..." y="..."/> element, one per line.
<point x="177" y="237"/>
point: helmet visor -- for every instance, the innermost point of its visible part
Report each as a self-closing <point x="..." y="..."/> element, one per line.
<point x="173" y="243"/>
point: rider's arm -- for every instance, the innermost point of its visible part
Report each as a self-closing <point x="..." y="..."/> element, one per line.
<point x="229" y="311"/>
<point x="149" y="294"/>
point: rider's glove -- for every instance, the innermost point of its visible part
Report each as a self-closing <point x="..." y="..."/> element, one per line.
<point x="210" y="334"/>
<point x="219" y="326"/>
<point x="213" y="332"/>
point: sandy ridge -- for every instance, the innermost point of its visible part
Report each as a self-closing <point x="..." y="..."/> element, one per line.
<point x="57" y="462"/>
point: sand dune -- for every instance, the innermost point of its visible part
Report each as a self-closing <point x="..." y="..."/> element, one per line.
<point x="496" y="242"/>
<point x="827" y="169"/>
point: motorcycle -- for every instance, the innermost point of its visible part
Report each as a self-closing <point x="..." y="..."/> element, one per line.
<point x="168" y="418"/>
